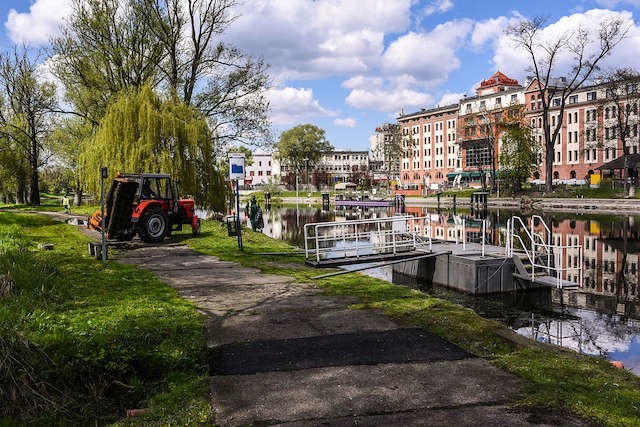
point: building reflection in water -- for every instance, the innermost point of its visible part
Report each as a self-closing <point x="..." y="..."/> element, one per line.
<point x="600" y="318"/>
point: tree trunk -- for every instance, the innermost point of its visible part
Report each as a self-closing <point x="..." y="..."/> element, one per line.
<point x="625" y="174"/>
<point x="78" y="190"/>
<point x="548" y="170"/>
<point x="34" y="190"/>
<point x="21" y="191"/>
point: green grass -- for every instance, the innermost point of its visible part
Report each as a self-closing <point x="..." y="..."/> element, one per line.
<point x="88" y="342"/>
<point x="556" y="379"/>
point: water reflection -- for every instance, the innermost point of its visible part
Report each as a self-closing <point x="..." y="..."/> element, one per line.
<point x="601" y="318"/>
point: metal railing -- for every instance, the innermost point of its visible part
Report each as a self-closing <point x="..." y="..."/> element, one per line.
<point x="536" y="245"/>
<point x="342" y="239"/>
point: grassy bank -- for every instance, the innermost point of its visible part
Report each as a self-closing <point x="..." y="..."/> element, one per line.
<point x="80" y="344"/>
<point x="557" y="380"/>
<point x="53" y="203"/>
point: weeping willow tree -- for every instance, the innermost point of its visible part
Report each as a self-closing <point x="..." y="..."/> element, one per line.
<point x="143" y="133"/>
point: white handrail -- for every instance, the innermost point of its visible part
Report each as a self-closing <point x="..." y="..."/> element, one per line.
<point x="382" y="234"/>
<point x="559" y="268"/>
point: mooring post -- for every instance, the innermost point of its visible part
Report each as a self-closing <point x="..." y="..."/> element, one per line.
<point x="464" y="235"/>
<point x="484" y="227"/>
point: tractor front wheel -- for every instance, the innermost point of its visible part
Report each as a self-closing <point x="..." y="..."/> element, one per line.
<point x="154" y="225"/>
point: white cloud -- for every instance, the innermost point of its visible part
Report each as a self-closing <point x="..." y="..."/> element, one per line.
<point x="438" y="6"/>
<point x="36" y="27"/>
<point x="387" y="100"/>
<point x="515" y="62"/>
<point x="305" y="39"/>
<point x="359" y="82"/>
<point x="347" y="122"/>
<point x="491" y="30"/>
<point x="450" y="98"/>
<point x="428" y="57"/>
<point x="290" y="104"/>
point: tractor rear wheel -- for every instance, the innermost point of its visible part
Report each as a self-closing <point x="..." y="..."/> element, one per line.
<point x="154" y="225"/>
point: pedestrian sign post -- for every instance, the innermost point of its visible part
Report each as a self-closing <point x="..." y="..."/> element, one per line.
<point x="236" y="173"/>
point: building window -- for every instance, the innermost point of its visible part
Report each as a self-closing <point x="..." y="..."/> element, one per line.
<point x="573" y="99"/>
<point x="592" y="96"/>
<point x="555" y="102"/>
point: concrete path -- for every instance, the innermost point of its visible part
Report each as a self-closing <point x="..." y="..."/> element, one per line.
<point x="284" y="353"/>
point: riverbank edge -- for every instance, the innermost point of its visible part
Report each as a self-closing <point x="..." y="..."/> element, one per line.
<point x="584" y="205"/>
<point x="558" y="379"/>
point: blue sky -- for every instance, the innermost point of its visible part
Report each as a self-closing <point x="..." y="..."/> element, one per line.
<point x="350" y="65"/>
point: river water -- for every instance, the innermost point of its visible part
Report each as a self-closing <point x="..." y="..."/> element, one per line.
<point x="602" y="318"/>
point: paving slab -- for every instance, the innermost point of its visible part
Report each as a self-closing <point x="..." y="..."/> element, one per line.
<point x="357" y="348"/>
<point x="331" y="392"/>
<point x="264" y="322"/>
<point x="460" y="416"/>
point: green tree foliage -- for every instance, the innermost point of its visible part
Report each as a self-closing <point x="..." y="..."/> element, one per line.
<point x="14" y="172"/>
<point x="67" y="142"/>
<point x="26" y="107"/>
<point x="301" y="147"/>
<point x="105" y="47"/>
<point x="109" y="45"/>
<point x="143" y="133"/>
<point x="518" y="155"/>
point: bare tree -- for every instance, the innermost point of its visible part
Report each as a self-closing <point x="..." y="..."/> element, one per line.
<point x="544" y="56"/>
<point x="221" y="81"/>
<point x="26" y="112"/>
<point x="618" y="108"/>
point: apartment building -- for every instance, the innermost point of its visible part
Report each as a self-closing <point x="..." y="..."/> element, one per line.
<point x="384" y="162"/>
<point x="344" y="166"/>
<point x="260" y="171"/>
<point x="429" y="148"/>
<point x="589" y="136"/>
<point x="499" y="100"/>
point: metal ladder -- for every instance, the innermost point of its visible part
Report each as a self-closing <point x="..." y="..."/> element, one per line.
<point x="540" y="253"/>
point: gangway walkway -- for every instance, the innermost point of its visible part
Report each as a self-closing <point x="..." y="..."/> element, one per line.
<point x="331" y="244"/>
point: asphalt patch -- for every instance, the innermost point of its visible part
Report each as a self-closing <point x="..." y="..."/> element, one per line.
<point x="360" y="348"/>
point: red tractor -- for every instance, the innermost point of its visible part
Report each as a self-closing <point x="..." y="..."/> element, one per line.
<point x="145" y="204"/>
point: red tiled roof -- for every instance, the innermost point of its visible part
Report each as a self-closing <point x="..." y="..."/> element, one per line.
<point x="498" y="78"/>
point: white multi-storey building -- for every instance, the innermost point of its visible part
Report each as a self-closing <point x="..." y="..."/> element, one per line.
<point x="260" y="171"/>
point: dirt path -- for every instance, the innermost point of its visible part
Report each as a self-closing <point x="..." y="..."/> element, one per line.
<point x="284" y="353"/>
